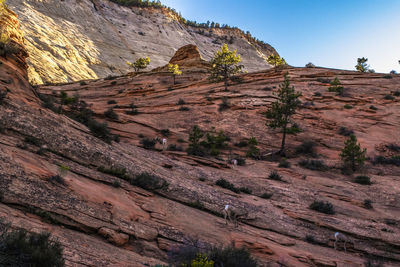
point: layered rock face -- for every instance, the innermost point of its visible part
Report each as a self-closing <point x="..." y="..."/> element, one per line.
<point x="75" y="40"/>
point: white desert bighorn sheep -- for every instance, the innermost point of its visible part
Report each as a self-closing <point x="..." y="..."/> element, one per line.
<point x="235" y="163"/>
<point x="164" y="143"/>
<point x="341" y="237"/>
<point x="233" y="214"/>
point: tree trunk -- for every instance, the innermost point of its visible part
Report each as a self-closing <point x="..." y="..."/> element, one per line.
<point x="226" y="83"/>
<point x="282" y="151"/>
<point x="174" y="79"/>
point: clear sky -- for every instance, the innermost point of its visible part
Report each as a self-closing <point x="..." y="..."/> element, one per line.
<point x="328" y="33"/>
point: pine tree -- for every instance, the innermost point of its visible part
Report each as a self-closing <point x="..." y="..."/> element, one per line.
<point x="174" y="69"/>
<point x="139" y="64"/>
<point x="194" y="142"/>
<point x="336" y="86"/>
<point x="362" y="65"/>
<point x="225" y="64"/>
<point x="276" y="60"/>
<point x="352" y="155"/>
<point x="281" y="111"/>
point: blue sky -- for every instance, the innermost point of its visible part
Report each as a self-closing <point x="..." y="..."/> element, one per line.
<point x="329" y="33"/>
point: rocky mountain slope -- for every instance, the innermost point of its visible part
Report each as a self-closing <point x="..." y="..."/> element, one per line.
<point x="103" y="220"/>
<point x="74" y="40"/>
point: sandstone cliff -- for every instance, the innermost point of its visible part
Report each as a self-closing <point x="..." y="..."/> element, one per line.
<point x="75" y="40"/>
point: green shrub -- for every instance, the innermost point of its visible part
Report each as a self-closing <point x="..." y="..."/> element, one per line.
<point x="394" y="160"/>
<point x="393" y="147"/>
<point x="347" y="106"/>
<point x="306" y="148"/>
<point x="323" y="80"/>
<point x="227" y="185"/>
<point x="224" y="104"/>
<point x="165" y="132"/>
<point x="110" y="102"/>
<point x="184" y="108"/>
<point x="345" y="131"/>
<point x="149" y="181"/>
<point x="181" y="102"/>
<point x="253" y="151"/>
<point x="323" y="207"/>
<point x="294" y="129"/>
<point x="315" y="165"/>
<point x="389" y="97"/>
<point x="336" y="87"/>
<point x="148" y="143"/>
<point x="266" y="195"/>
<point x="110" y="113"/>
<point x="33" y="141"/>
<point x="195" y="148"/>
<point x="100" y="130"/>
<point x="245" y="190"/>
<point x="116" y="184"/>
<point x="367" y="204"/>
<point x="19" y="248"/>
<point x="117" y="172"/>
<point x="242" y="143"/>
<point x="57" y="179"/>
<point x="133" y="110"/>
<point x="373" y="107"/>
<point x="387" y="76"/>
<point x="274" y="175"/>
<point x="396" y="93"/>
<point x="362" y="179"/>
<point x="317" y="94"/>
<point x="310" y="239"/>
<point x="232" y="257"/>
<point x="284" y="163"/>
<point x="174" y="147"/>
<point x="3" y="96"/>
<point x="82" y="83"/>
<point x="240" y="161"/>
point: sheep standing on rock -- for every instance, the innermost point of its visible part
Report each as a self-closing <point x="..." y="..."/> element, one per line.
<point x="164" y="143"/>
<point x="235" y="163"/>
<point x="232" y="214"/>
<point x="341" y="237"/>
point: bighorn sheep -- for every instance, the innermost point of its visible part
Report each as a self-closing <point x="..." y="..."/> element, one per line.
<point x="235" y="163"/>
<point x="341" y="237"/>
<point x="164" y="143"/>
<point x="233" y="214"/>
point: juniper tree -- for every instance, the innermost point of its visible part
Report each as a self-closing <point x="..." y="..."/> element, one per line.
<point x="225" y="64"/>
<point x="174" y="69"/>
<point x="279" y="115"/>
<point x="352" y="155"/>
<point x="139" y="64"/>
<point x="276" y="60"/>
<point x="195" y="147"/>
<point x="362" y="65"/>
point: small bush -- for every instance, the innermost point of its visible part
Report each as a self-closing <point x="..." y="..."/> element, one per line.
<point x="266" y="195"/>
<point x="148" y="143"/>
<point x="227" y="185"/>
<point x="362" y="179"/>
<point x="310" y="239"/>
<point x="389" y="97"/>
<point x="323" y="207"/>
<point x="253" y="151"/>
<point x="110" y="113"/>
<point x="373" y="107"/>
<point x="275" y="176"/>
<point x="33" y="141"/>
<point x="393" y="147"/>
<point x="245" y="190"/>
<point x="317" y="94"/>
<point x="110" y="77"/>
<point x="3" y="96"/>
<point x="18" y="248"/>
<point x="347" y="106"/>
<point x="111" y="102"/>
<point x="116" y="184"/>
<point x="396" y="93"/>
<point x="181" y="102"/>
<point x="133" y="110"/>
<point x="174" y="147"/>
<point x="345" y="131"/>
<point x="315" y="165"/>
<point x="82" y="83"/>
<point x="165" y="132"/>
<point x="100" y="130"/>
<point x="242" y="143"/>
<point x="57" y="179"/>
<point x="284" y="164"/>
<point x="367" y="204"/>
<point x="323" y="80"/>
<point x="310" y="65"/>
<point x="224" y="104"/>
<point x="306" y="148"/>
<point x="149" y="181"/>
<point x="394" y="160"/>
<point x="387" y="76"/>
<point x="241" y="161"/>
<point x="294" y="129"/>
<point x="117" y="172"/>
<point x="184" y="109"/>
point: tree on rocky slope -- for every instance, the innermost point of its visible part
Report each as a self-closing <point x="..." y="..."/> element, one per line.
<point x="276" y="60"/>
<point x="362" y="65"/>
<point x="279" y="115"/>
<point x="352" y="155"/>
<point x="139" y="64"/>
<point x="174" y="69"/>
<point x="225" y="64"/>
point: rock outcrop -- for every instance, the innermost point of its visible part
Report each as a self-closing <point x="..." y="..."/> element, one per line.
<point x="86" y="39"/>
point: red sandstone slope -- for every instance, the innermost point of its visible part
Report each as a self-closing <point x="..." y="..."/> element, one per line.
<point x="99" y="224"/>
